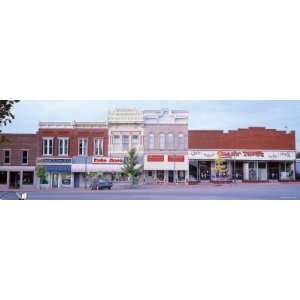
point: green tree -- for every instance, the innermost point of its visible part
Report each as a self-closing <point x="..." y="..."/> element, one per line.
<point x="41" y="173"/>
<point x="131" y="166"/>
<point x="6" y="116"/>
<point x="220" y="165"/>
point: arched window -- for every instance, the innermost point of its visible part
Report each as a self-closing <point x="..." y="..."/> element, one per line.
<point x="170" y="141"/>
<point x="180" y="141"/>
<point x="151" y="140"/>
<point x="161" y="141"/>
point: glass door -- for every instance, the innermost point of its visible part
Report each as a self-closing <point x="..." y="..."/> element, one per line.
<point x="55" y="180"/>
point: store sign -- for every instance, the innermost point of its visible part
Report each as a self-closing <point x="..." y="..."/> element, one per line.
<point x="155" y="158"/>
<point x="175" y="158"/>
<point x="107" y="160"/>
<point x="242" y="155"/>
<point x="54" y="160"/>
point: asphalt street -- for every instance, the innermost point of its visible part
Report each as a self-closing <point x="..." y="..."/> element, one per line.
<point x="269" y="191"/>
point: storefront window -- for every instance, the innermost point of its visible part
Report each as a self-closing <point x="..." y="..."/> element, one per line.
<point x="27" y="178"/>
<point x="3" y="177"/>
<point x="66" y="178"/>
<point x="150" y="173"/>
<point x="45" y="180"/>
<point x="181" y="175"/>
<point x="160" y="175"/>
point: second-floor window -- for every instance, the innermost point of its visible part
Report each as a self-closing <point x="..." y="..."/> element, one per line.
<point x="134" y="141"/>
<point x="83" y="147"/>
<point x="63" y="146"/>
<point x="48" y="146"/>
<point x="24" y="157"/>
<point x="125" y="142"/>
<point x="161" y="141"/>
<point x="180" y="141"/>
<point x="151" y="141"/>
<point x="170" y="141"/>
<point x="98" y="147"/>
<point x="7" y="156"/>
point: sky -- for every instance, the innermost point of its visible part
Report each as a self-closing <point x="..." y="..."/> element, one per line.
<point x="224" y="115"/>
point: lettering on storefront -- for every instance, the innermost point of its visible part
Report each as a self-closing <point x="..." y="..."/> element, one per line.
<point x="107" y="160"/>
<point x="242" y="154"/>
<point x="54" y="160"/>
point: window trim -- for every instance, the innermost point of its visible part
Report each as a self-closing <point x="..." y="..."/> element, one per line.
<point x="9" y="150"/>
<point x="48" y="138"/>
<point x="23" y="150"/>
<point x="168" y="146"/>
<point x="63" y="139"/>
<point x="87" y="146"/>
<point x="183" y="141"/>
<point x="161" y="134"/>
<point x="101" y="146"/>
<point x="151" y="134"/>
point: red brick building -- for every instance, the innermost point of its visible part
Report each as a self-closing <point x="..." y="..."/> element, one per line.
<point x="18" y="154"/>
<point x="251" y="154"/>
<point x="66" y="150"/>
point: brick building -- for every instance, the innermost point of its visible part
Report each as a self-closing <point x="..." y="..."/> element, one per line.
<point x="18" y="154"/>
<point x="251" y="154"/>
<point x="69" y="150"/>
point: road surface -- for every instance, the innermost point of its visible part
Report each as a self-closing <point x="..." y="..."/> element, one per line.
<point x="261" y="191"/>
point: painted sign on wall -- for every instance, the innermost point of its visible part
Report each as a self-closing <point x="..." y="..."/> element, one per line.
<point x="107" y="160"/>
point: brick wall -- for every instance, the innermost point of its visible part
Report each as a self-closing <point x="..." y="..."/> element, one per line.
<point x="16" y="143"/>
<point x="248" y="138"/>
<point x="73" y="135"/>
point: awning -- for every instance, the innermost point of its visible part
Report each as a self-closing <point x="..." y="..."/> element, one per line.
<point x="110" y="168"/>
<point x="58" y="168"/>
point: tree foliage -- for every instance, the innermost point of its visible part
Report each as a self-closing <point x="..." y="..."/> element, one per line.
<point x="6" y="116"/>
<point x="41" y="173"/>
<point x="131" y="166"/>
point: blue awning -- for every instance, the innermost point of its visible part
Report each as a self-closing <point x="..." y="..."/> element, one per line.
<point x="58" y="169"/>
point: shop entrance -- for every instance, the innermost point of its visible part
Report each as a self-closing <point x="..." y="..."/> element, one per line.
<point x="273" y="170"/>
<point x="76" y="180"/>
<point x="55" y="180"/>
<point x="14" y="180"/>
<point x="171" y="176"/>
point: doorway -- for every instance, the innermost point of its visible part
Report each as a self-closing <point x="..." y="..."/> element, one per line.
<point x="171" y="176"/>
<point x="76" y="180"/>
<point x="55" y="180"/>
<point x="14" y="180"/>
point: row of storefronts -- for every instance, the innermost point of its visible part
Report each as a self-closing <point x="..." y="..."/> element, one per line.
<point x="72" y="153"/>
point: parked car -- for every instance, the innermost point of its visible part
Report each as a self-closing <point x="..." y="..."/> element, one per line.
<point x="100" y="184"/>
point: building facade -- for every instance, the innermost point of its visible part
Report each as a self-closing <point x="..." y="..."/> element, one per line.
<point x="166" y="146"/>
<point x="18" y="154"/>
<point x="69" y="151"/>
<point x="72" y="153"/>
<point x="252" y="154"/>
